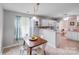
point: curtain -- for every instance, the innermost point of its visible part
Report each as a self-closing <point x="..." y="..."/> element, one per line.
<point x="23" y="27"/>
<point x="18" y="28"/>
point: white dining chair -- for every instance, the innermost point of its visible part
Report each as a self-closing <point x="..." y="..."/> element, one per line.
<point x="24" y="47"/>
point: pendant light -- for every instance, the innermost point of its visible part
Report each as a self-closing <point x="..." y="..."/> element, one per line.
<point x="35" y="9"/>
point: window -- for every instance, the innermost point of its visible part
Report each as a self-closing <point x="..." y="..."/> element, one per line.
<point x="22" y="25"/>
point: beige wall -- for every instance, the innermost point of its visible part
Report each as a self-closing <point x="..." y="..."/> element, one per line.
<point x="72" y="19"/>
<point x="65" y="24"/>
<point x="64" y="42"/>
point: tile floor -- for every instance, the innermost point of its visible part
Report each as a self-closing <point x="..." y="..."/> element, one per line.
<point x="49" y="51"/>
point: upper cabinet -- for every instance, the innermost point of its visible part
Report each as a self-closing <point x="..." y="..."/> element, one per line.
<point x="44" y="22"/>
<point x="47" y="23"/>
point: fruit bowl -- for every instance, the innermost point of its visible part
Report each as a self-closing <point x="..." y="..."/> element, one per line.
<point x="33" y="38"/>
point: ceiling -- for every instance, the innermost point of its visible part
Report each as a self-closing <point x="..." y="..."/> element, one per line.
<point x="46" y="9"/>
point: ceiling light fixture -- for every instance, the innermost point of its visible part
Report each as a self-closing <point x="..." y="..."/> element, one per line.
<point x="65" y="17"/>
<point x="35" y="9"/>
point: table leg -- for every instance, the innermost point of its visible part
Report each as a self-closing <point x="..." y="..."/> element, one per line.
<point x="44" y="52"/>
<point x="30" y="51"/>
<point x="23" y="43"/>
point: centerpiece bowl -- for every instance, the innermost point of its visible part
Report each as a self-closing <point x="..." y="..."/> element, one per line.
<point x="34" y="38"/>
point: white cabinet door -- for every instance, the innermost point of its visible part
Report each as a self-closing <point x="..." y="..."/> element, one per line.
<point x="51" y="37"/>
<point x="44" y="22"/>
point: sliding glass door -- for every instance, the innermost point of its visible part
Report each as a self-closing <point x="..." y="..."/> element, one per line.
<point x="22" y="27"/>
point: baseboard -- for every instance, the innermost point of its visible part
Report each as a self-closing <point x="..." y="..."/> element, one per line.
<point x="0" y="52"/>
<point x="11" y="46"/>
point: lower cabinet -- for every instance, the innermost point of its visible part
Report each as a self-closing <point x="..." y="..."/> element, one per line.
<point x="49" y="35"/>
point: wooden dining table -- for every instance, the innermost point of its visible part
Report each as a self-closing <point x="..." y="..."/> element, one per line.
<point x="32" y="44"/>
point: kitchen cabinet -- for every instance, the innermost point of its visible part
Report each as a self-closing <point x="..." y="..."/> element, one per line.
<point x="47" y="22"/>
<point x="49" y="35"/>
